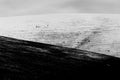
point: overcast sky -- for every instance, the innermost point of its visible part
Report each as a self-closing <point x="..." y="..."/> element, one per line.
<point x="32" y="7"/>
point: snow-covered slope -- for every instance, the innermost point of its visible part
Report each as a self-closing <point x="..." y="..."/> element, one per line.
<point x="92" y="32"/>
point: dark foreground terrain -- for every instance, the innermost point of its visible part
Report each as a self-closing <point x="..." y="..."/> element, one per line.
<point x="26" y="60"/>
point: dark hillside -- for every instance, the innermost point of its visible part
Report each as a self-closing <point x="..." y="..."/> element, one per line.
<point x="26" y="60"/>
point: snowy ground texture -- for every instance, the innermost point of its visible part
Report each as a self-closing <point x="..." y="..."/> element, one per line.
<point x="92" y="32"/>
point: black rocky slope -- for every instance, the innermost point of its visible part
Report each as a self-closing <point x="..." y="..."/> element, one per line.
<point x="26" y="60"/>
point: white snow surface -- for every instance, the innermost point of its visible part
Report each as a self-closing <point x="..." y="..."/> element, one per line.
<point x="93" y="32"/>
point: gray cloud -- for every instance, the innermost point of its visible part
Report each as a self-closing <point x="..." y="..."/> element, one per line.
<point x="21" y="7"/>
<point x="100" y="6"/>
<point x="28" y="7"/>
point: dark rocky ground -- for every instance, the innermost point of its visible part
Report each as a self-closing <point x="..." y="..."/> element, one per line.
<point x="26" y="60"/>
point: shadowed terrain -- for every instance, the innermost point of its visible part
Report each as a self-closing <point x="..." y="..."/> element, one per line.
<point x="26" y="60"/>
